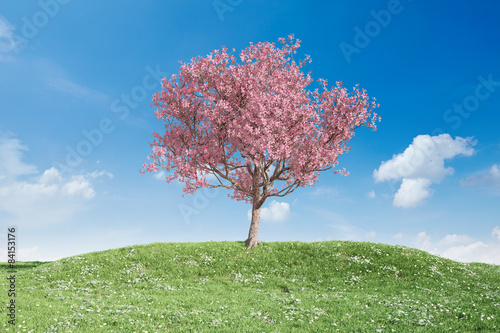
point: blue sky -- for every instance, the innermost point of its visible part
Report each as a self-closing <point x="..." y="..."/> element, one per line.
<point x="75" y="122"/>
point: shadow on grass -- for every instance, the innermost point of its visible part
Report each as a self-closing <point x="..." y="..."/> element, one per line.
<point x="21" y="265"/>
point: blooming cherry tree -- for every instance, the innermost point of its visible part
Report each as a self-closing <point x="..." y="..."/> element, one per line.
<point x="253" y="125"/>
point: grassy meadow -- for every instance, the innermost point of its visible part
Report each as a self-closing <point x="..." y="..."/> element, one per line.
<point x="333" y="286"/>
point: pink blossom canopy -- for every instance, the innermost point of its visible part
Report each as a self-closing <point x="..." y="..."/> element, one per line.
<point x="235" y="118"/>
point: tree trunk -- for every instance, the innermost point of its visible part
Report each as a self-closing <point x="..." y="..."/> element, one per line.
<point x="253" y="234"/>
<point x="257" y="201"/>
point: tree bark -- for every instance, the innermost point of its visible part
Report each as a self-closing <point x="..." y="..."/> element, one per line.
<point x="257" y="201"/>
<point x="253" y="233"/>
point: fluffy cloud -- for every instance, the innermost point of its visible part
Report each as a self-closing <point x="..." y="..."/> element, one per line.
<point x="211" y="178"/>
<point x="490" y="177"/>
<point x="371" y="194"/>
<point x="50" y="184"/>
<point x="46" y="200"/>
<point x="276" y="212"/>
<point x="420" y="165"/>
<point x="475" y="252"/>
<point x="462" y="248"/>
<point x="371" y="234"/>
<point x="424" y="158"/>
<point x="423" y="242"/>
<point x="455" y="239"/>
<point x="412" y="192"/>
<point x="7" y="40"/>
<point x="78" y="187"/>
<point x="160" y="175"/>
<point x="496" y="233"/>
<point x="43" y="200"/>
<point x="11" y="163"/>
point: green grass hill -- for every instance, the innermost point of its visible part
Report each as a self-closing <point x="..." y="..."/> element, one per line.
<point x="333" y="286"/>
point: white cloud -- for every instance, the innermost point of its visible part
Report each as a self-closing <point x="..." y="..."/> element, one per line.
<point x="11" y="164"/>
<point x="8" y="43"/>
<point x="399" y="235"/>
<point x="160" y="175"/>
<point x="270" y="171"/>
<point x="412" y="192"/>
<point x="78" y="187"/>
<point x="455" y="239"/>
<point x="211" y="179"/>
<point x="276" y="212"/>
<point x="496" y="233"/>
<point x="420" y="165"/>
<point x="49" y="184"/>
<point x="51" y="177"/>
<point x="371" y="234"/>
<point x="102" y="173"/>
<point x="45" y="201"/>
<point x="371" y="194"/>
<point x="490" y="177"/>
<point x="424" y="158"/>
<point x="39" y="201"/>
<point x="475" y="252"/>
<point x="423" y="242"/>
